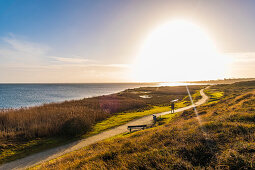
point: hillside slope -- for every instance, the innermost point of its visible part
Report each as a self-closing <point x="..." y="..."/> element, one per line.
<point x="221" y="135"/>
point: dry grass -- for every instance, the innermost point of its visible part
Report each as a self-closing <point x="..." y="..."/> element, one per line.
<point x="224" y="140"/>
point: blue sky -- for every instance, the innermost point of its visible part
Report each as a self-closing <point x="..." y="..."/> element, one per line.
<point x="97" y="40"/>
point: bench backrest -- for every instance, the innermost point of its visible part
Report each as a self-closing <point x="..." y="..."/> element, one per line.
<point x="137" y="126"/>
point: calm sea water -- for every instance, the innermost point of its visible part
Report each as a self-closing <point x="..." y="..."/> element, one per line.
<point x="24" y="95"/>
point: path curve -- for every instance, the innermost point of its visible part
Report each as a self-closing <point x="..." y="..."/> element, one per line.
<point x="49" y="154"/>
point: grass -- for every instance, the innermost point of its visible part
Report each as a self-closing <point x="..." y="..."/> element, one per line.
<point x="214" y="95"/>
<point x="30" y="130"/>
<point x="164" y="119"/>
<point x="14" y="151"/>
<point x="122" y="118"/>
<point x="180" y="141"/>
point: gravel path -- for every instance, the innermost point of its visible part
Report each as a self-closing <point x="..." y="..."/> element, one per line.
<point x="40" y="157"/>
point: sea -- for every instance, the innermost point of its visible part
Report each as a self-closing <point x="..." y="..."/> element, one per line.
<point x="14" y="96"/>
<point x="26" y="95"/>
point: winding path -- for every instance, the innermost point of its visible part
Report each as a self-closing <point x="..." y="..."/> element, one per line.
<point x="41" y="157"/>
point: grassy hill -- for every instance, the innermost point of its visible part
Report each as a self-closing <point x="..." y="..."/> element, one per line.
<point x="221" y="135"/>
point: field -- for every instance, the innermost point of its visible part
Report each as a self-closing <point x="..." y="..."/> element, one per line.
<point x="31" y="130"/>
<point x="221" y="136"/>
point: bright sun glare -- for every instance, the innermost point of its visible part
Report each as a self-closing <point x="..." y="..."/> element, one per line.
<point x="176" y="51"/>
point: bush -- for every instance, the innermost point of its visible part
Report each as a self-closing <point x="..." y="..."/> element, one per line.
<point x="74" y="127"/>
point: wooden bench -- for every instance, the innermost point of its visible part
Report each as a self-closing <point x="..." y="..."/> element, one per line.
<point x="136" y="127"/>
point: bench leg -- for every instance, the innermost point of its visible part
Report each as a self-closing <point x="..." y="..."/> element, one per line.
<point x="130" y="130"/>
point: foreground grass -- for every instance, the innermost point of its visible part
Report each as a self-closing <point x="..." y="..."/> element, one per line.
<point x="180" y="141"/>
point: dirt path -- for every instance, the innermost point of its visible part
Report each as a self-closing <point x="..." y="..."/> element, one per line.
<point x="58" y="151"/>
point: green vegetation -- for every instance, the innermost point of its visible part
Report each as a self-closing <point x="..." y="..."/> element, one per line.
<point x="214" y="95"/>
<point x="14" y="151"/>
<point x="165" y="119"/>
<point x="222" y="139"/>
<point x="34" y="129"/>
<point x="122" y="118"/>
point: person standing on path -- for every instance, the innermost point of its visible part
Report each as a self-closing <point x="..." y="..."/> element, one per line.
<point x="172" y="107"/>
<point x="154" y="119"/>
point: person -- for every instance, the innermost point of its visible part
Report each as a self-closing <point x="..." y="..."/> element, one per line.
<point x="154" y="118"/>
<point x="172" y="107"/>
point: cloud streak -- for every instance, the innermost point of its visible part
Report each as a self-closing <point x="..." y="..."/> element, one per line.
<point x="27" y="48"/>
<point x="19" y="48"/>
<point x="72" y="60"/>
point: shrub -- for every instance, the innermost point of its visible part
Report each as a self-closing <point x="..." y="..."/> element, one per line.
<point x="74" y="127"/>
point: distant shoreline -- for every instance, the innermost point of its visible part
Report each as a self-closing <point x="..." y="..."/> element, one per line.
<point x="149" y="83"/>
<point x="47" y="99"/>
<point x="223" y="81"/>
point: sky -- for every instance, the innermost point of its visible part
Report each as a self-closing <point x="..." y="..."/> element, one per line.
<point x="92" y="41"/>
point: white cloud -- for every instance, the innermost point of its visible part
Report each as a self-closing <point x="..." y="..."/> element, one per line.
<point x="72" y="60"/>
<point x="118" y="65"/>
<point x="83" y="62"/>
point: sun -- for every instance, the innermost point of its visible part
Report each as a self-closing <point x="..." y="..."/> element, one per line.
<point x="178" y="51"/>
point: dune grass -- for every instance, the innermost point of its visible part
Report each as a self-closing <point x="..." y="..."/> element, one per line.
<point x="180" y="141"/>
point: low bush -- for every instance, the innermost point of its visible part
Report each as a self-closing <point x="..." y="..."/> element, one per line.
<point x="74" y="127"/>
